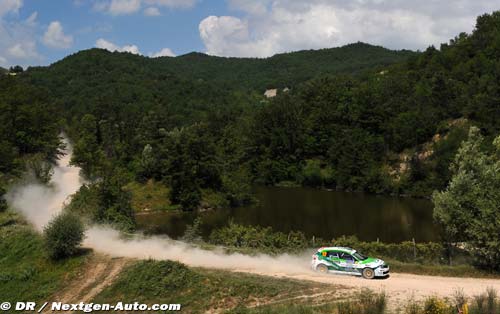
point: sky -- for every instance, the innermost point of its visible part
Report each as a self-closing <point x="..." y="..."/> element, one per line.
<point x="40" y="32"/>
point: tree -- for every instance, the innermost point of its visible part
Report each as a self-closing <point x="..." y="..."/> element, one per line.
<point x="3" y="202"/>
<point x="469" y="208"/>
<point x="41" y="168"/>
<point x="113" y="202"/>
<point x="63" y="235"/>
<point x="16" y="69"/>
<point x="87" y="153"/>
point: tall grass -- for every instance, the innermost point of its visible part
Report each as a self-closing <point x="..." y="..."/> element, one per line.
<point x="366" y="302"/>
<point x="485" y="303"/>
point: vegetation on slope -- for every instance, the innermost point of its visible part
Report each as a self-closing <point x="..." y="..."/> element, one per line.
<point x="197" y="290"/>
<point x="26" y="271"/>
<point x="390" y="131"/>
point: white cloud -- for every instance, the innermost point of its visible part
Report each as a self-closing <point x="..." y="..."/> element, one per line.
<point x="272" y="26"/>
<point x="172" y="3"/>
<point x="23" y="50"/>
<point x="31" y="20"/>
<point x="10" y="6"/>
<point x="54" y="37"/>
<point x="119" y="7"/>
<point x="152" y="11"/>
<point x="165" y="52"/>
<point x="104" y="44"/>
<point x="125" y="7"/>
<point x="110" y="46"/>
<point x="18" y="37"/>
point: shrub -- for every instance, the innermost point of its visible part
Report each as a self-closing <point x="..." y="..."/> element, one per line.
<point x="193" y="232"/>
<point x="405" y="251"/>
<point x="434" y="305"/>
<point x="3" y="202"/>
<point x="63" y="235"/>
<point x="256" y="237"/>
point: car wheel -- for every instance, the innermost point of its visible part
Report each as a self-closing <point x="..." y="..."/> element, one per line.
<point x="368" y="273"/>
<point x="322" y="269"/>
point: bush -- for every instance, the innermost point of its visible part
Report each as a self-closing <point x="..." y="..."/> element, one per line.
<point x="405" y="251"/>
<point x="256" y="237"/>
<point x="63" y="235"/>
<point x="3" y="202"/>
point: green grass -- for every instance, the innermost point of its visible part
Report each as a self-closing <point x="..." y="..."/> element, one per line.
<point x="26" y="273"/>
<point x="198" y="289"/>
<point x="151" y="196"/>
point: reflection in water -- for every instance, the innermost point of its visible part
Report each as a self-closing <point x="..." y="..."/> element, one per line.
<point x="320" y="213"/>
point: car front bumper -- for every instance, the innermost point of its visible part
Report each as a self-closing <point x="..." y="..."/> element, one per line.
<point x="382" y="271"/>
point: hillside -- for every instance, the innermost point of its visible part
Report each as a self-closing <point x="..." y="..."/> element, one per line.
<point x="201" y="126"/>
<point x="282" y="70"/>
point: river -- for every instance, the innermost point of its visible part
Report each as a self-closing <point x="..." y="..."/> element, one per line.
<point x="319" y="213"/>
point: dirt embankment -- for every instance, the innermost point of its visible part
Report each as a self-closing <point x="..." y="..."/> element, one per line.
<point x="98" y="273"/>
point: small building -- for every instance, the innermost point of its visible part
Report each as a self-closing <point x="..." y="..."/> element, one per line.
<point x="270" y="93"/>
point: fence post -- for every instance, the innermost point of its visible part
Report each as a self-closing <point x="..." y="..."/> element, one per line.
<point x="414" y="250"/>
<point x="314" y="241"/>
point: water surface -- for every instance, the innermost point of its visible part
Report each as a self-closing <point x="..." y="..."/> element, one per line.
<point x="319" y="213"/>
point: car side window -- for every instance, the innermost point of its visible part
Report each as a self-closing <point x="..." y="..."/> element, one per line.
<point x="347" y="257"/>
<point x="333" y="254"/>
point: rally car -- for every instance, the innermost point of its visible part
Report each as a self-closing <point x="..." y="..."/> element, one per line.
<point x="344" y="260"/>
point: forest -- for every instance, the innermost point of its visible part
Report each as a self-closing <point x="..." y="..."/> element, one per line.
<point x="355" y="118"/>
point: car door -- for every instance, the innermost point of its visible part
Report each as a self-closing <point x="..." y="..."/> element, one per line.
<point x="347" y="262"/>
<point x="334" y="258"/>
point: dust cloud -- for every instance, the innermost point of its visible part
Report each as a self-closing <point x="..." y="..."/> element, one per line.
<point x="40" y="203"/>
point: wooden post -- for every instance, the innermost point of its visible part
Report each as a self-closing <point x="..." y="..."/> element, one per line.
<point x="414" y="250"/>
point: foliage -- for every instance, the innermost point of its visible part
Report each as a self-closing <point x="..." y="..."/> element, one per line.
<point x="150" y="196"/>
<point x="105" y="201"/>
<point x="63" y="235"/>
<point x="197" y="289"/>
<point x="255" y="237"/>
<point x="3" y="202"/>
<point x="26" y="273"/>
<point x="485" y="303"/>
<point x="357" y="118"/>
<point x="468" y="209"/>
<point x="428" y="253"/>
<point x="267" y="240"/>
<point x="42" y="169"/>
<point x="28" y="127"/>
<point x="367" y="302"/>
<point x="193" y="232"/>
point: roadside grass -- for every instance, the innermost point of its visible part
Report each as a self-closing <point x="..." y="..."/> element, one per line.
<point x="461" y="270"/>
<point x="150" y="196"/>
<point x="154" y="196"/>
<point x="432" y="269"/>
<point x="26" y="272"/>
<point x="197" y="289"/>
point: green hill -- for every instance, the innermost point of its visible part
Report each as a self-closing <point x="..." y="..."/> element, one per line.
<point x="282" y="70"/>
<point x="358" y="117"/>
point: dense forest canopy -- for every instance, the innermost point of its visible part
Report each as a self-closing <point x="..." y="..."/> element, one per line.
<point x="359" y="117"/>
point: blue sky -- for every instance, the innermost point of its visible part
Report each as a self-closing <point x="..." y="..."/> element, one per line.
<point x="39" y="32"/>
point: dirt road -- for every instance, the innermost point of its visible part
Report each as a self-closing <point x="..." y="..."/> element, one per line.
<point x="400" y="287"/>
<point x="98" y="273"/>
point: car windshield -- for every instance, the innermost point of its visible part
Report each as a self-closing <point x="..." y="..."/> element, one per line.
<point x="359" y="256"/>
